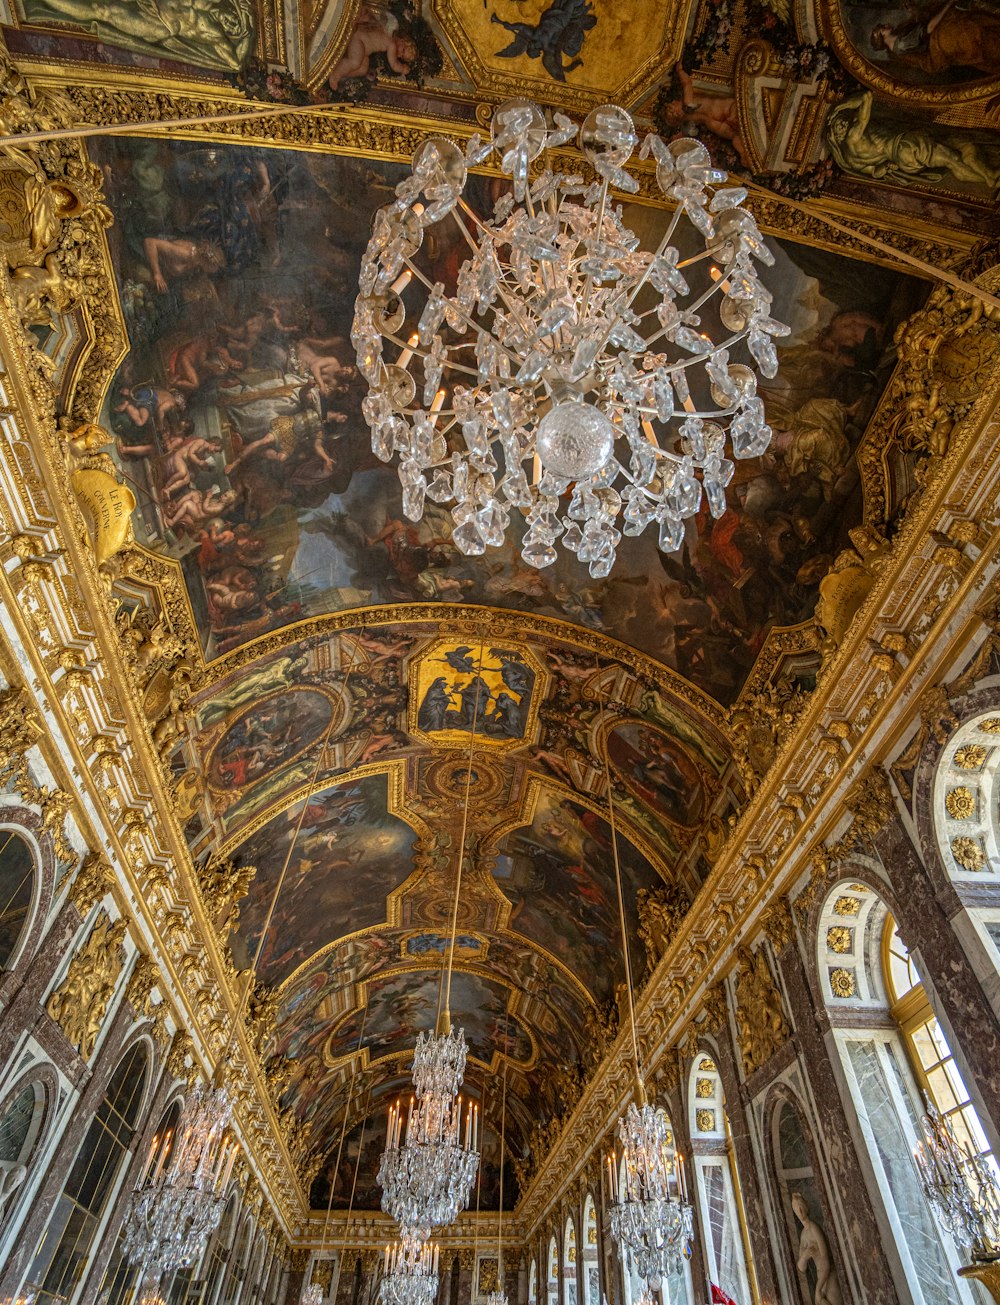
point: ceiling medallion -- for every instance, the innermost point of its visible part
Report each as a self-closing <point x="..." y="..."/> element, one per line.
<point x="571" y="378"/>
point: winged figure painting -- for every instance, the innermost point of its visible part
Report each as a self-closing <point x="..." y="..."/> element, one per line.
<point x="559" y="34"/>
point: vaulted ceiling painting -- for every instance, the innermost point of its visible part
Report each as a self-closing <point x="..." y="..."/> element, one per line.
<point x="362" y="681"/>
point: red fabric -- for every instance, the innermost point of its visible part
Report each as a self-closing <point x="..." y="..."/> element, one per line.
<point x="719" y="1297"/>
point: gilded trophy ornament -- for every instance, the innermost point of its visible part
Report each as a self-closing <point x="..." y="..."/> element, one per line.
<point x="761" y="1027"/>
<point x="80" y="1002"/>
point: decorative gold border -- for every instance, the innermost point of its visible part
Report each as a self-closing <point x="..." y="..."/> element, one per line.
<point x="924" y="97"/>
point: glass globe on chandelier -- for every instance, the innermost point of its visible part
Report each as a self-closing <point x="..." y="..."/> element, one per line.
<point x="571" y="378"/>
<point x="409" y="1273"/>
<point x="171" y="1216"/>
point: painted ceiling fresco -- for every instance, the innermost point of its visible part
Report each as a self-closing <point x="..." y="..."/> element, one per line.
<point x="363" y="679"/>
<point x="238" y="424"/>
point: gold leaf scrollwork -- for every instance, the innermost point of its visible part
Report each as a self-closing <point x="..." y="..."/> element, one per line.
<point x="80" y="1002"/>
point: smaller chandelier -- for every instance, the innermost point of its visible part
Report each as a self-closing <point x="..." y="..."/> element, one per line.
<point x="427" y="1171"/>
<point x="961" y="1187"/>
<point x="313" y="1295"/>
<point x="651" y="1217"/>
<point x="410" y="1273"/>
<point x="172" y="1215"/>
<point x="496" y="1298"/>
<point x="570" y="378"/>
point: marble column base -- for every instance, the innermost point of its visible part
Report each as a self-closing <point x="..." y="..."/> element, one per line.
<point x="987" y="1274"/>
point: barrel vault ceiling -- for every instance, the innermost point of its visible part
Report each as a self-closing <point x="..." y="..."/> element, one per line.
<point x="343" y="649"/>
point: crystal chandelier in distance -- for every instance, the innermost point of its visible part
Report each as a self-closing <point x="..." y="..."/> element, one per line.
<point x="428" y="1168"/>
<point x="570" y="377"/>
<point x="172" y="1215"/>
<point x="651" y="1217"/>
<point x="961" y="1188"/>
<point x="409" y="1273"/>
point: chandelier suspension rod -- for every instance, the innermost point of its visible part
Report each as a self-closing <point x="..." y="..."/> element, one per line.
<point x="343" y="1125"/>
<point x="310" y="792"/>
<point x="503" y="1132"/>
<point x="640" y="1086"/>
<point x="444" y="1015"/>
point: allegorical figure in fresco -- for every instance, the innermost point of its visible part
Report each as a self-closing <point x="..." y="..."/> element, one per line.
<point x="560" y="31"/>
<point x="952" y="38"/>
<point x="814" y="1249"/>
<point x="902" y="154"/>
<point x="210" y="33"/>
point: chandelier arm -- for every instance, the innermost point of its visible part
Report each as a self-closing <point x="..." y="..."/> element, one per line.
<point x="429" y="285"/>
<point x="599" y="229"/>
<point x="667" y="237"/>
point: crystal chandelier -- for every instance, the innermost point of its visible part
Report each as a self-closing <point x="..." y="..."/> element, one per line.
<point x="651" y="1218"/>
<point x="410" y="1273"/>
<point x="961" y="1187"/>
<point x="172" y="1215"/>
<point x="313" y="1295"/>
<point x="427" y="1171"/>
<point x="571" y="377"/>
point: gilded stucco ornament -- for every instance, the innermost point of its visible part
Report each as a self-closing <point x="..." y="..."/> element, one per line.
<point x="968" y="853"/>
<point x="970" y="756"/>
<point x="661" y="911"/>
<point x="141" y="982"/>
<point x="960" y="803"/>
<point x="839" y="938"/>
<point x="81" y="1001"/>
<point x="761" y="1026"/>
<point x="761" y="722"/>
<point x="94" y="879"/>
<point x="842" y="982"/>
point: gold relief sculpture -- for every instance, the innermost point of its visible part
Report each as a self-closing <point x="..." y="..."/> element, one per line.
<point x="842" y="982"/>
<point x="839" y="938"/>
<point x="705" y="1119"/>
<point x="660" y="911"/>
<point x="871" y="804"/>
<point x="141" y="982"/>
<point x="968" y="853"/>
<point x="761" y="1027"/>
<point x="223" y="883"/>
<point x="707" y="1065"/>
<point x="778" y="924"/>
<point x="970" y="756"/>
<point x="960" y="803"/>
<point x="990" y="726"/>
<point x="79" y="1004"/>
<point x="842" y="593"/>
<point x="846" y="906"/>
<point x="488" y="1279"/>
<point x="94" y="879"/>
<point x="704" y="1087"/>
<point x="761" y="722"/>
<point x="19" y="729"/>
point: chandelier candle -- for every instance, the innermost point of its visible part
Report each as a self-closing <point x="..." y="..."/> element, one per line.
<point x="569" y="377"/>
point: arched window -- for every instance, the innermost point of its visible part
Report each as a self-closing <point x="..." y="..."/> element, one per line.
<point x="716" y="1180"/>
<point x="569" y="1263"/>
<point x="892" y="1049"/>
<point x="20" y="1127"/>
<point x="237" y="1263"/>
<point x="552" y="1284"/>
<point x="217" y="1254"/>
<point x="69" y="1237"/>
<point x="589" y="1256"/>
<point x="533" y="1283"/>
<point x="17" y="891"/>
<point x="121" y="1276"/>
